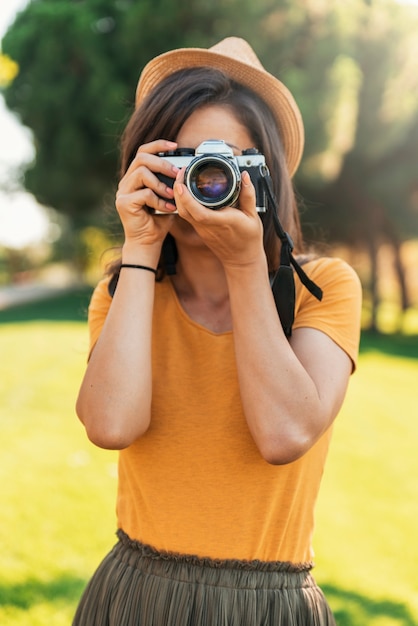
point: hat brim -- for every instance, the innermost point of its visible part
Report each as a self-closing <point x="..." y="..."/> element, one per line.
<point x="267" y="86"/>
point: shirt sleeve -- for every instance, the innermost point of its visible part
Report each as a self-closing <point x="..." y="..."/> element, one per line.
<point x="338" y="314"/>
<point x="98" y="309"/>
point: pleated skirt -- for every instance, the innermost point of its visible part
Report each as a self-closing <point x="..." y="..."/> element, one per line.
<point x="136" y="585"/>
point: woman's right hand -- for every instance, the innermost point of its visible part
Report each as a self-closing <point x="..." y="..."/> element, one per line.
<point x="114" y="403"/>
<point x="140" y="190"/>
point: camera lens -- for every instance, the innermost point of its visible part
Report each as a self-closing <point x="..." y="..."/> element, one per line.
<point x="213" y="180"/>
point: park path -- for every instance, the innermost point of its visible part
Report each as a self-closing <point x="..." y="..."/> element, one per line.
<point x="11" y="295"/>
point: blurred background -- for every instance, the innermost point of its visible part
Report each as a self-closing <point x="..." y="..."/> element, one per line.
<point x="68" y="71"/>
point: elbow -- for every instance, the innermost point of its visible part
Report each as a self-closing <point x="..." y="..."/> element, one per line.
<point x="283" y="449"/>
<point x="109" y="434"/>
<point x="277" y="456"/>
<point x="108" y="439"/>
<point x="285" y="438"/>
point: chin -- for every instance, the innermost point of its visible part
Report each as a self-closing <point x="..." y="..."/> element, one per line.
<point x="187" y="239"/>
<point x="184" y="231"/>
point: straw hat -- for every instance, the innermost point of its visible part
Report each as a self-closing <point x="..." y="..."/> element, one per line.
<point x="237" y="59"/>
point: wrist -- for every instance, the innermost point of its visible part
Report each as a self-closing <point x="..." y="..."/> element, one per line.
<point x="140" y="254"/>
<point x="135" y="266"/>
<point x="256" y="268"/>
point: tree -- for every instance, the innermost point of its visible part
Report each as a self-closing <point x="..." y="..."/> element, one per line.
<point x="372" y="198"/>
<point x="79" y="62"/>
<point x="351" y="66"/>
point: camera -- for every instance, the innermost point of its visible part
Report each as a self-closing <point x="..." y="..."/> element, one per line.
<point x="213" y="173"/>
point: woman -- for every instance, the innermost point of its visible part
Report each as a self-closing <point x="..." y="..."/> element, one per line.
<point x="221" y="412"/>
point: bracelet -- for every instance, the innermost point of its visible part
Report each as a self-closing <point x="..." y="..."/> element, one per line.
<point x="139" y="267"/>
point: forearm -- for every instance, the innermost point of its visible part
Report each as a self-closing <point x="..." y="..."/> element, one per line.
<point x="115" y="396"/>
<point x="280" y="400"/>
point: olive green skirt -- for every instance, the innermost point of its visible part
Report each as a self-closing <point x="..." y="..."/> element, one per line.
<point x="137" y="586"/>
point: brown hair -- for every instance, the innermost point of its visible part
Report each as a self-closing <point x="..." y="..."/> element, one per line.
<point x="173" y="100"/>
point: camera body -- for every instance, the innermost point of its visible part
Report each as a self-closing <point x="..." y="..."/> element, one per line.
<point x="213" y="173"/>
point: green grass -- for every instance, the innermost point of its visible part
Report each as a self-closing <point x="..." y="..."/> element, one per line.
<point x="368" y="507"/>
<point x="58" y="490"/>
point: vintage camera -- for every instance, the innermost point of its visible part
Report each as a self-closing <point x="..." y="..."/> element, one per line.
<point x="213" y="173"/>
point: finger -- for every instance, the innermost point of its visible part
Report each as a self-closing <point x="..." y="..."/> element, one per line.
<point x="247" y="199"/>
<point x="152" y="148"/>
<point x="150" y="163"/>
<point x="187" y="206"/>
<point x="193" y="211"/>
<point x="159" y="145"/>
<point x="142" y="178"/>
<point x="142" y="199"/>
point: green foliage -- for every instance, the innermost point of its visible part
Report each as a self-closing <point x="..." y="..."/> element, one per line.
<point x="69" y="91"/>
<point x="365" y="184"/>
<point x="352" y="67"/>
<point x="79" y="62"/>
<point x="58" y="490"/>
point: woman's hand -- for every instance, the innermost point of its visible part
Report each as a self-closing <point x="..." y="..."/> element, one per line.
<point x="114" y="402"/>
<point x="235" y="235"/>
<point x="140" y="190"/>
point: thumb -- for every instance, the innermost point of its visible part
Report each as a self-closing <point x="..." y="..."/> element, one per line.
<point x="247" y="195"/>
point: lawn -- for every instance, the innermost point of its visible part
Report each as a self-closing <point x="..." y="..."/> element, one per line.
<point x="58" y="490"/>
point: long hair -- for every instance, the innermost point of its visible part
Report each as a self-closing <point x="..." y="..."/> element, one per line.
<point x="162" y="114"/>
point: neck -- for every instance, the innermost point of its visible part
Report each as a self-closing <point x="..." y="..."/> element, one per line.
<point x="202" y="290"/>
<point x="200" y="276"/>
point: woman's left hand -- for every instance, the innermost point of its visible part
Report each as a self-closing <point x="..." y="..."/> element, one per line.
<point x="235" y="235"/>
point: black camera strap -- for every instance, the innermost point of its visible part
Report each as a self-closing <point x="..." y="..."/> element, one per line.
<point x="283" y="282"/>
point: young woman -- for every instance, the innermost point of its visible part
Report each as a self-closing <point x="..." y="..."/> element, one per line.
<point x="222" y="413"/>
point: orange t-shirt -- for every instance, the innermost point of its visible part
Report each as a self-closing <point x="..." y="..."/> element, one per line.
<point x="195" y="482"/>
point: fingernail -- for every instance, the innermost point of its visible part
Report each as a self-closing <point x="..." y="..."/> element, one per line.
<point x="245" y="177"/>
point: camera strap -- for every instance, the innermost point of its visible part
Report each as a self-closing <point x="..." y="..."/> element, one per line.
<point x="283" y="282"/>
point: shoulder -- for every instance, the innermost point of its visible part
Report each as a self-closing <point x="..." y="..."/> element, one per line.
<point x="334" y="276"/>
<point x="330" y="271"/>
<point x="337" y="279"/>
<point x="104" y="291"/>
<point x="338" y="314"/>
<point x="101" y="296"/>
